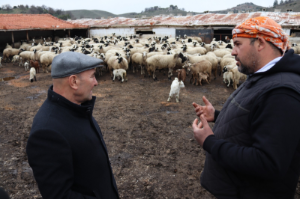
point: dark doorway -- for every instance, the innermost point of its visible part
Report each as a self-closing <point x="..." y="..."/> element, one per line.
<point x="144" y="32"/>
<point x="204" y="34"/>
<point x="295" y="33"/>
<point x="222" y="33"/>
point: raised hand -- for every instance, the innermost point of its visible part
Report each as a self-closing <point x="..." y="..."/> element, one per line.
<point x="201" y="130"/>
<point x="208" y="110"/>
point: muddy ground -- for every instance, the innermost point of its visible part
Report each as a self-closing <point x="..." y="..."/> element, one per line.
<point x="150" y="141"/>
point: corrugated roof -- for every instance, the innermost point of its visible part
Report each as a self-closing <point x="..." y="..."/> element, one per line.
<point x="284" y="19"/>
<point x="35" y="21"/>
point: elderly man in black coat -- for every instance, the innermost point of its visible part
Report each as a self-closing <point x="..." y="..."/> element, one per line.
<point x="65" y="148"/>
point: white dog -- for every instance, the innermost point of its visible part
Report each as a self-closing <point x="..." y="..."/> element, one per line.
<point x="175" y="89"/>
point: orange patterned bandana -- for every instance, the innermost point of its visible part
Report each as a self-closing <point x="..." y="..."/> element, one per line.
<point x="262" y="27"/>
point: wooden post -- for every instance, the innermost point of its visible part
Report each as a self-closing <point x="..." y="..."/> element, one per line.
<point x="27" y="35"/>
<point x="53" y="36"/>
<point x="13" y="39"/>
<point x="69" y="33"/>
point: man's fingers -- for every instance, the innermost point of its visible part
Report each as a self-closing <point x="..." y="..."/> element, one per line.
<point x="195" y="105"/>
<point x="203" y="120"/>
<point x="195" y="123"/>
<point x="200" y="125"/>
<point x="199" y="113"/>
<point x="206" y="102"/>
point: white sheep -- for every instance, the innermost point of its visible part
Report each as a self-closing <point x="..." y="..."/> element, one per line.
<point x="27" y="55"/>
<point x="26" y="65"/>
<point x="46" y="60"/>
<point x="227" y="61"/>
<point x="161" y="62"/>
<point x="203" y="77"/>
<point x="0" y="61"/>
<point x="10" y="52"/>
<point x="120" y="73"/>
<point x="227" y="78"/>
<point x="175" y="89"/>
<point x="236" y="75"/>
<point x="32" y="74"/>
<point x="15" y="58"/>
<point x="139" y="59"/>
<point x="117" y="62"/>
<point x="222" y="52"/>
<point x="194" y="50"/>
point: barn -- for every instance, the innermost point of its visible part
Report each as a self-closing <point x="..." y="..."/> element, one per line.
<point x="24" y="27"/>
<point x="206" y="26"/>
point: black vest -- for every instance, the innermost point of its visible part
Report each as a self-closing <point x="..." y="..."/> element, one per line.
<point x="233" y="125"/>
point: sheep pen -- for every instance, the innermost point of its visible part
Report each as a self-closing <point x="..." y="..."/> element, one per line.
<point x="150" y="141"/>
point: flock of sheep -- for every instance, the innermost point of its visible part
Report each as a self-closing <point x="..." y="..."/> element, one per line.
<point x="149" y="55"/>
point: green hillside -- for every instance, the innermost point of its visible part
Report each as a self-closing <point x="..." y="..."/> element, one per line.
<point x="283" y="5"/>
<point x="13" y="11"/>
<point x="21" y="9"/>
<point x="97" y="14"/>
<point x="94" y="14"/>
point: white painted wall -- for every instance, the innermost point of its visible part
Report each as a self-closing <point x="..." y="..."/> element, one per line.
<point x="287" y="31"/>
<point x="118" y="31"/>
<point x="165" y="32"/>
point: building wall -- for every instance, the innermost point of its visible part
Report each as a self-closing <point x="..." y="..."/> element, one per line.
<point x="171" y="32"/>
<point x="118" y="31"/>
<point x="287" y="31"/>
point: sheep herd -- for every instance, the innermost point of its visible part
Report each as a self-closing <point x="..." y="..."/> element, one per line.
<point x="136" y="52"/>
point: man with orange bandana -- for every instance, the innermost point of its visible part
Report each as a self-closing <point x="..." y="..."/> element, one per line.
<point x="253" y="150"/>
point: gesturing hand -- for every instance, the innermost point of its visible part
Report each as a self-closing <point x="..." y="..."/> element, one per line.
<point x="208" y="110"/>
<point x="201" y="130"/>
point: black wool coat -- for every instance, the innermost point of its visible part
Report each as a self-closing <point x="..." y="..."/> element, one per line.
<point x="67" y="152"/>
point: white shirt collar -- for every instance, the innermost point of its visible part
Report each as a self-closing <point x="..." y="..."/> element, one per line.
<point x="269" y="65"/>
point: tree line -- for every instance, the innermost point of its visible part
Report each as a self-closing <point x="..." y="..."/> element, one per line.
<point x="25" y="9"/>
<point x="281" y="2"/>
<point x="172" y="7"/>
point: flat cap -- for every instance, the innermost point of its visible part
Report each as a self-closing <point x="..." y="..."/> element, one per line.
<point x="70" y="63"/>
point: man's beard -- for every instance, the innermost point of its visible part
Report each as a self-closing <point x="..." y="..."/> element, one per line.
<point x="247" y="69"/>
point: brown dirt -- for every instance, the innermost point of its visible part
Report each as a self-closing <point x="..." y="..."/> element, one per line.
<point x="149" y="140"/>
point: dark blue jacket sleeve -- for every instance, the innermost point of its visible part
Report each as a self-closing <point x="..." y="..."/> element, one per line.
<point x="216" y="114"/>
<point x="50" y="157"/>
<point x="274" y="123"/>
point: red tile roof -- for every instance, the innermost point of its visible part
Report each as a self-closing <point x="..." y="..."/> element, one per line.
<point x="284" y="19"/>
<point x="35" y="21"/>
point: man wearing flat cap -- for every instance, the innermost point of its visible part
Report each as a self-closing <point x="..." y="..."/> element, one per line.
<point x="253" y="150"/>
<point x="65" y="148"/>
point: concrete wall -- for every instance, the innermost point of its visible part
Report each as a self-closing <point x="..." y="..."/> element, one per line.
<point x="287" y="31"/>
<point x="118" y="31"/>
<point x="294" y="40"/>
<point x="171" y="32"/>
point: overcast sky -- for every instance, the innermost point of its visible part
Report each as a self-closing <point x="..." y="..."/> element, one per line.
<point x="125" y="6"/>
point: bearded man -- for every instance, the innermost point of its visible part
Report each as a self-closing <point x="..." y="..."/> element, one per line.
<point x="253" y="150"/>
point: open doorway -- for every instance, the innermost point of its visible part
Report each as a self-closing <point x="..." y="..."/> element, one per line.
<point x="144" y="32"/>
<point x="221" y="34"/>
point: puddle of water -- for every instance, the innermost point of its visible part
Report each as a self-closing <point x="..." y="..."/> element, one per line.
<point x="7" y="79"/>
<point x="168" y="112"/>
<point x="36" y="95"/>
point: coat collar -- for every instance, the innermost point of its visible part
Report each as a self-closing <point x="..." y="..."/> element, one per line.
<point x="85" y="108"/>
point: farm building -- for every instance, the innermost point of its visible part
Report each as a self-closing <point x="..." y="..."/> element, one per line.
<point x="206" y="26"/>
<point x="24" y="27"/>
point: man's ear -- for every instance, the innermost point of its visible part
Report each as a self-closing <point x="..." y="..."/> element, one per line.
<point x="262" y="43"/>
<point x="74" y="82"/>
